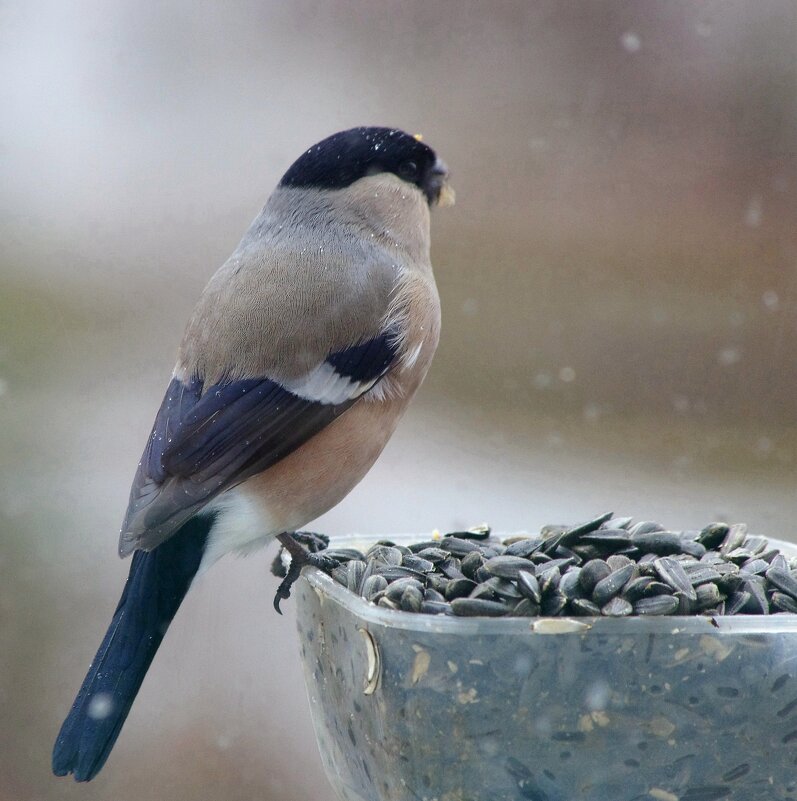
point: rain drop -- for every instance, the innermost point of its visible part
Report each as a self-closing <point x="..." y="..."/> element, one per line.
<point x="470" y="306"/>
<point x="770" y="300"/>
<point x="100" y="706"/>
<point x="542" y="380"/>
<point x="729" y="356"/>
<point x="755" y="211"/>
<point x="630" y="42"/>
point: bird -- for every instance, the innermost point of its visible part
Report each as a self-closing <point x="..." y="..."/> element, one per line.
<point x="301" y="355"/>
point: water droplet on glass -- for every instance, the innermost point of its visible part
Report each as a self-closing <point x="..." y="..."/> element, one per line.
<point x="597" y="696"/>
<point x="770" y="300"/>
<point x="567" y="374"/>
<point x="555" y="440"/>
<point x="729" y="356"/>
<point x="680" y="403"/>
<point x="470" y="306"/>
<point x="592" y="412"/>
<point x="100" y="706"/>
<point x="542" y="380"/>
<point x="755" y="211"/>
<point x="703" y="29"/>
<point x="630" y="42"/>
<point x="763" y="446"/>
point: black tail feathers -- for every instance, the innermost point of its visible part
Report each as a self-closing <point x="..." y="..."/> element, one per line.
<point x="156" y="585"/>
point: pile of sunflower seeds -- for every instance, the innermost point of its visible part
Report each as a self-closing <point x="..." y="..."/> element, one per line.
<point x="607" y="566"/>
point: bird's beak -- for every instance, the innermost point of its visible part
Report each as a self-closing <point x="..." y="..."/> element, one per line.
<point x="437" y="189"/>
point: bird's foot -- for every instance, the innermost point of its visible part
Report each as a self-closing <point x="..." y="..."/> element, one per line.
<point x="301" y="556"/>
<point x="314" y="542"/>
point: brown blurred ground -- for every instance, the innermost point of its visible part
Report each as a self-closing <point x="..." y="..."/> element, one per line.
<point x="619" y="280"/>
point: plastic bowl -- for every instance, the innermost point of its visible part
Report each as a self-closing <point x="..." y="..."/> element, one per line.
<point x="411" y="707"/>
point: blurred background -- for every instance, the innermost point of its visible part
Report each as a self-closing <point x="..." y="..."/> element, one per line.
<point x="618" y="278"/>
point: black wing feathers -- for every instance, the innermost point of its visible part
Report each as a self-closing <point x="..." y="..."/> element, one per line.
<point x="207" y="440"/>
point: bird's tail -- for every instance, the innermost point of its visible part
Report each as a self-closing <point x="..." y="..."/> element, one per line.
<point x="157" y="584"/>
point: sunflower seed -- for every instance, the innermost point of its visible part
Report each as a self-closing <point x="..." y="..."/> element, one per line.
<point x="713" y="535"/>
<point x="734" y="538"/>
<point x="756" y="545"/>
<point x="470" y="564"/>
<point x="431" y="594"/>
<point x="507" y="567"/>
<point x="672" y="572"/>
<point x="385" y="554"/>
<point x="644" y="526"/>
<point x="616" y="561"/>
<point x="476" y="607"/>
<point x="435" y="608"/>
<point x="392" y="573"/>
<point x="458" y="546"/>
<point x="572" y="535"/>
<point x="341" y="575"/>
<point x="758" y="603"/>
<point x="529" y="586"/>
<point x="783" y="603"/>
<point x="417" y="563"/>
<point x="755" y="565"/>
<point x="553" y="604"/>
<point x="524" y="547"/>
<point x="617" y="522"/>
<point x="569" y="584"/>
<point x="739" y="555"/>
<point x="708" y="595"/>
<point x="526" y="608"/>
<point x="617" y="607"/>
<point x="616" y="537"/>
<point x="344" y="554"/>
<point x="411" y="599"/>
<point x="736" y="601"/>
<point x="417" y="547"/>
<point x="549" y="579"/>
<point x="783" y="580"/>
<point x="504" y="588"/>
<point x="373" y="585"/>
<point x="434" y="555"/>
<point x="693" y="548"/>
<point x="484" y="591"/>
<point x="656" y="605"/>
<point x="610" y="586"/>
<point x="459" y="588"/>
<point x="686" y="606"/>
<point x="585" y="607"/>
<point x="476" y="533"/>
<point x="591" y="573"/>
<point x="701" y="574"/>
<point x="662" y="543"/>
<point x="356" y="570"/>
<point x="396" y="588"/>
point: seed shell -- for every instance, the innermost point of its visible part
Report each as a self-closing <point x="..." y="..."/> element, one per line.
<point x="476" y="607"/>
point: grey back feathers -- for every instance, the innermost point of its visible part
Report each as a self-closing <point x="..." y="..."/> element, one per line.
<point x="314" y="273"/>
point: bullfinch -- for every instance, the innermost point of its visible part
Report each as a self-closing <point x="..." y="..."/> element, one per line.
<point x="298" y="361"/>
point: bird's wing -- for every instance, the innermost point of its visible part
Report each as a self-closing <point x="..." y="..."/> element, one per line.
<point x="208" y="439"/>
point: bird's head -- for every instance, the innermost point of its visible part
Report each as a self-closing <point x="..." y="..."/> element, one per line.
<point x="346" y="157"/>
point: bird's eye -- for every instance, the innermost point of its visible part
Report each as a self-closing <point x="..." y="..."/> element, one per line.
<point x="408" y="170"/>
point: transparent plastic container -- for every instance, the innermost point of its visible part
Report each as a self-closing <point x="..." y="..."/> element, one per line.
<point x="411" y="707"/>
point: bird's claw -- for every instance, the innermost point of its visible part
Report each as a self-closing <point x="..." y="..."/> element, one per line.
<point x="300" y="557"/>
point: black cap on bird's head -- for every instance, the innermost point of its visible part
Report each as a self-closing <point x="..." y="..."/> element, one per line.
<point x="343" y="158"/>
